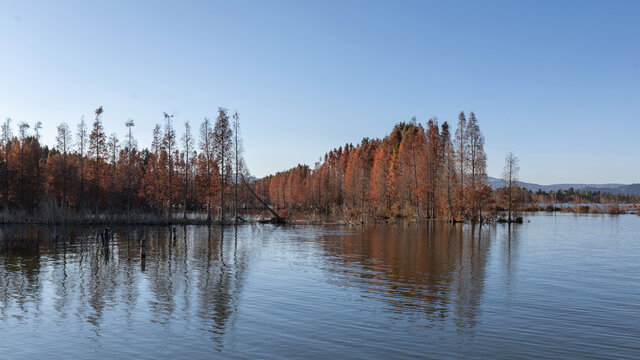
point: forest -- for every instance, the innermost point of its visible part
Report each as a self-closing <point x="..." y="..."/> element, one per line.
<point x="417" y="171"/>
<point x="89" y="175"/>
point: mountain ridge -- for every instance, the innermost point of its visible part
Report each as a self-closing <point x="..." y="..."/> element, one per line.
<point x="612" y="188"/>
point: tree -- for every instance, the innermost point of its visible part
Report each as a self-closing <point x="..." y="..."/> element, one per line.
<point x="433" y="165"/>
<point x="222" y="141"/>
<point x="206" y="164"/>
<point x="98" y="152"/>
<point x="130" y="151"/>
<point x="7" y="136"/>
<point x="113" y="148"/>
<point x="240" y="166"/>
<point x="81" y="140"/>
<point x="449" y="173"/>
<point x="510" y="175"/>
<point x="36" y="128"/>
<point x="169" y="144"/>
<point x="187" y="143"/>
<point x="461" y="147"/>
<point x="378" y="192"/>
<point x="22" y="136"/>
<point x="63" y="143"/>
<point x="477" y="163"/>
<point x="154" y="172"/>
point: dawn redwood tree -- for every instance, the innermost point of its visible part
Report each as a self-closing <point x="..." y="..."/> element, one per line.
<point x="97" y="152"/>
<point x="222" y="152"/>
<point x="64" y="142"/>
<point x="113" y="149"/>
<point x="169" y="145"/>
<point x="130" y="152"/>
<point x="510" y="175"/>
<point x="187" y="143"/>
<point x="236" y="128"/>
<point x="409" y="174"/>
<point x="449" y="178"/>
<point x="7" y="137"/>
<point x="379" y="177"/>
<point x="207" y="170"/>
<point x="22" y="137"/>
<point x="37" y="156"/>
<point x="153" y="178"/>
<point x="461" y="147"/>
<point x="477" y="163"/>
<point x="433" y="165"/>
<point x="82" y="142"/>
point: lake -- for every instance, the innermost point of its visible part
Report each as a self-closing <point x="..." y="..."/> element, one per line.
<point x="557" y="286"/>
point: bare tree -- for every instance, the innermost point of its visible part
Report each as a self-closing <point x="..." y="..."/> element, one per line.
<point x="22" y="136"/>
<point x="187" y="142"/>
<point x="207" y="151"/>
<point x="510" y="175"/>
<point x="98" y="151"/>
<point x="129" y="152"/>
<point x="64" y="142"/>
<point x="81" y="140"/>
<point x="240" y="165"/>
<point x="461" y="144"/>
<point x="113" y="147"/>
<point x="222" y="140"/>
<point x="169" y="143"/>
<point x="477" y="162"/>
<point x="36" y="128"/>
<point x="7" y="136"/>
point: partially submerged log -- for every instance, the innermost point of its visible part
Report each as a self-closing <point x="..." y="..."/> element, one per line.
<point x="277" y="219"/>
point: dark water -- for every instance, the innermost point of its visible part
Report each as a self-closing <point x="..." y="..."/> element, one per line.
<point x="561" y="286"/>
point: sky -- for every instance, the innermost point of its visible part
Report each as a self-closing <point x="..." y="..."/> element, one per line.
<point x="555" y="82"/>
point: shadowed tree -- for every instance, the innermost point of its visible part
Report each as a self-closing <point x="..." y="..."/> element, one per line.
<point x="36" y="129"/>
<point x="7" y="136"/>
<point x="22" y="137"/>
<point x="98" y="152"/>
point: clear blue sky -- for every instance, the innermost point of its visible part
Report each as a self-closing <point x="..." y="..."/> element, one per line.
<point x="557" y="83"/>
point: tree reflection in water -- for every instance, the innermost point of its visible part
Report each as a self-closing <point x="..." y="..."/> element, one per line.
<point x="193" y="277"/>
<point x="90" y="278"/>
<point x="434" y="269"/>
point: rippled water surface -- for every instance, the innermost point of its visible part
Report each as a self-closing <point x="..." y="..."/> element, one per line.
<point x="559" y="286"/>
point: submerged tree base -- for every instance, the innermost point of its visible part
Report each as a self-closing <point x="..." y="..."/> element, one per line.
<point x="135" y="218"/>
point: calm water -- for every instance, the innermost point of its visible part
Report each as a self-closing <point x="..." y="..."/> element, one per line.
<point x="560" y="286"/>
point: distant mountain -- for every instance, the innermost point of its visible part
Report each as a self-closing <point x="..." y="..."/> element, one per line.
<point x="610" y="188"/>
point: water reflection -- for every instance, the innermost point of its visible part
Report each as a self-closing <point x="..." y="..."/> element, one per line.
<point x="433" y="269"/>
<point x="77" y="273"/>
<point x="194" y="277"/>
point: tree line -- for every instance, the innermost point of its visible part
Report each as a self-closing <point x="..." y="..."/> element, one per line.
<point x="90" y="172"/>
<point x="581" y="196"/>
<point x="418" y="170"/>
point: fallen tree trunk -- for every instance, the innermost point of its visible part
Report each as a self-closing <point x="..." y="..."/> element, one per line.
<point x="278" y="219"/>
